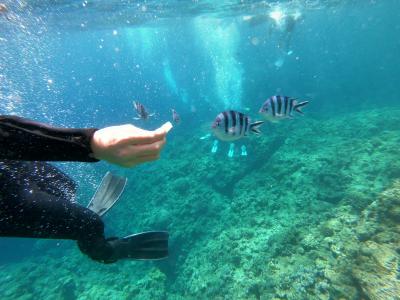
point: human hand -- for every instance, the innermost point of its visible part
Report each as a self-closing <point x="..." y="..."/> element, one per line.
<point x="127" y="145"/>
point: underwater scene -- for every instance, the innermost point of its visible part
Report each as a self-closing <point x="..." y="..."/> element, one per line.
<point x="280" y="178"/>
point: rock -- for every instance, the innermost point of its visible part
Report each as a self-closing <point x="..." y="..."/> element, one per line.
<point x="68" y="290"/>
<point x="377" y="272"/>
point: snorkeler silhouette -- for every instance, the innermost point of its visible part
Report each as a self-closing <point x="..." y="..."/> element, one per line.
<point x="289" y="23"/>
<point x="4" y="11"/>
<point x="37" y="200"/>
<point x="280" y="26"/>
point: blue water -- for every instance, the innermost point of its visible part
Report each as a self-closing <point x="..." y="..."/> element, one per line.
<point x="83" y="63"/>
<point x="190" y="56"/>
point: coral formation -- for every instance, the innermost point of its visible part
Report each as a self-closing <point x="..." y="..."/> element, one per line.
<point x="312" y="213"/>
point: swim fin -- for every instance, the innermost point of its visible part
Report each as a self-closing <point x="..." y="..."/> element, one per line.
<point x="108" y="192"/>
<point x="150" y="245"/>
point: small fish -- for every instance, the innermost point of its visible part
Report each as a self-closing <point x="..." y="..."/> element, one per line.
<point x="233" y="125"/>
<point x="280" y="107"/>
<point x="175" y="116"/>
<point x="141" y="111"/>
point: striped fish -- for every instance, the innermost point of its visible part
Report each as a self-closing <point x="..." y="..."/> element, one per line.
<point x="280" y="107"/>
<point x="233" y="125"/>
<point x="141" y="111"/>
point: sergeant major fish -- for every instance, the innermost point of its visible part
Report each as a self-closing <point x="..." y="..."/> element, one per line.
<point x="141" y="111"/>
<point x="277" y="107"/>
<point x="233" y="125"/>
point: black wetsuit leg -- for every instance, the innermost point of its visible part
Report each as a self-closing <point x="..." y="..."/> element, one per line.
<point x="36" y="214"/>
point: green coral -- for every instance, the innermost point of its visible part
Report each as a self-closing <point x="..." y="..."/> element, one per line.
<point x="312" y="213"/>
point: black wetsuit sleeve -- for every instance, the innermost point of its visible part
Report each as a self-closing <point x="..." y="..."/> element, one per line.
<point x="23" y="139"/>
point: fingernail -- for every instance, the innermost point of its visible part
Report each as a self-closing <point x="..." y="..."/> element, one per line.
<point x="166" y="127"/>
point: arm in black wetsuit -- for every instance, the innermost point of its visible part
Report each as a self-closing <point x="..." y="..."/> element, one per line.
<point x="23" y="139"/>
<point x="30" y="207"/>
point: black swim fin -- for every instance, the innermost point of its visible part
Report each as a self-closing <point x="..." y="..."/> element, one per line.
<point x="151" y="245"/>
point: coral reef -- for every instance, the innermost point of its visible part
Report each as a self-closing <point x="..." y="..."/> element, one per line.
<point x="312" y="213"/>
<point x="377" y="268"/>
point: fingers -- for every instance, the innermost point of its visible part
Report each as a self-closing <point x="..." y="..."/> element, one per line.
<point x="140" y="160"/>
<point x="147" y="137"/>
<point x="138" y="136"/>
<point x="166" y="127"/>
<point x="156" y="135"/>
<point x="144" y="150"/>
<point x="131" y="152"/>
<point x="127" y="145"/>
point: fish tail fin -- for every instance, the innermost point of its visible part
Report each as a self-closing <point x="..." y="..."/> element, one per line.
<point x="298" y="106"/>
<point x="255" y="127"/>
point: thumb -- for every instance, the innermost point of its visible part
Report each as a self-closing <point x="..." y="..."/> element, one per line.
<point x="165" y="128"/>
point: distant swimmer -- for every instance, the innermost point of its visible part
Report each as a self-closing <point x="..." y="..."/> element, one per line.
<point x="233" y="125"/>
<point x="281" y="26"/>
<point x="255" y="20"/>
<point x="141" y="111"/>
<point x="4" y="11"/>
<point x="277" y="107"/>
<point x="3" y="8"/>
<point x="288" y="24"/>
<point x="175" y="116"/>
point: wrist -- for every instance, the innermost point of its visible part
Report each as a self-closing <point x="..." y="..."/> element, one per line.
<point x="95" y="145"/>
